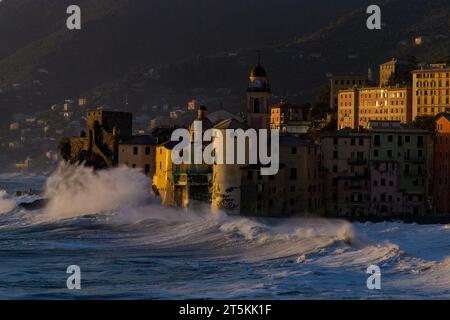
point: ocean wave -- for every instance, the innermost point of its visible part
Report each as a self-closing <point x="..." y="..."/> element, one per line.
<point x="112" y="215"/>
<point x="6" y="204"/>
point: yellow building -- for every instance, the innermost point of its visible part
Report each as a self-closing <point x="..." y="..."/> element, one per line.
<point x="182" y="185"/>
<point x="358" y="106"/>
<point x="431" y="88"/>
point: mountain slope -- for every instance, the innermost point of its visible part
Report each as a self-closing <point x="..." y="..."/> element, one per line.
<point x="42" y="62"/>
<point x="346" y="45"/>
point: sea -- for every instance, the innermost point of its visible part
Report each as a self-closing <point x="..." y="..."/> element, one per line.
<point x="127" y="246"/>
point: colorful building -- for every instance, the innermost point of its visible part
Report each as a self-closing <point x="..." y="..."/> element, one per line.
<point x="185" y="185"/>
<point x="431" y="88"/>
<point x="139" y="152"/>
<point x="359" y="106"/>
<point x="400" y="169"/>
<point x="441" y="176"/>
<point x="295" y="190"/>
<point x="348" y="108"/>
<point x="345" y="165"/>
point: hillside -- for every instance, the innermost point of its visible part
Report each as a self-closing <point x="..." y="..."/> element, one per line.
<point x="299" y="67"/>
<point x="41" y="62"/>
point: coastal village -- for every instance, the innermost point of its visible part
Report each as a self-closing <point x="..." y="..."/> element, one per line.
<point x="382" y="151"/>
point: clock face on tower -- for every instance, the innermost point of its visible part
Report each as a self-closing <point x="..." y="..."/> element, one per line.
<point x="257" y="83"/>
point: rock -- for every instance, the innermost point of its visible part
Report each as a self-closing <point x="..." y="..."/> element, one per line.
<point x="35" y="205"/>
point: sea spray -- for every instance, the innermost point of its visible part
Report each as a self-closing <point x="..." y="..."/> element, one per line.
<point x="6" y="204"/>
<point x="76" y="190"/>
<point x="124" y="194"/>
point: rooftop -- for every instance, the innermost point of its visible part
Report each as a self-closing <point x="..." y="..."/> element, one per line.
<point x="140" y="140"/>
<point x="347" y="132"/>
<point x="433" y="67"/>
<point x="292" y="140"/>
<point x="445" y="115"/>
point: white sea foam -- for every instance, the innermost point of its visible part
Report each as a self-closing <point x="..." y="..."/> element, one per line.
<point x="76" y="190"/>
<point x="290" y="255"/>
<point x="6" y="204"/>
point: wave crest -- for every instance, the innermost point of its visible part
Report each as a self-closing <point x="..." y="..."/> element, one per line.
<point x="76" y="190"/>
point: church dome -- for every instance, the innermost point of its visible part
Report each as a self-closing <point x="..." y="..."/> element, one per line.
<point x="258" y="71"/>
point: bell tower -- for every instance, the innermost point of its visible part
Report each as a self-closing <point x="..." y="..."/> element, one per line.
<point x="258" y="98"/>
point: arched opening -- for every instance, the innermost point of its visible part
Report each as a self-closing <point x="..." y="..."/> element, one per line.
<point x="256" y="106"/>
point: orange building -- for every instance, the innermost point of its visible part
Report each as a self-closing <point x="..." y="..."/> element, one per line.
<point x="348" y="108"/>
<point x="357" y="107"/>
<point x="431" y="88"/>
<point x="441" y="177"/>
<point x="386" y="103"/>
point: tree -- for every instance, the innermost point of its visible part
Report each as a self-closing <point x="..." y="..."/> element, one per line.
<point x="426" y="122"/>
<point x="321" y="104"/>
<point x="403" y="75"/>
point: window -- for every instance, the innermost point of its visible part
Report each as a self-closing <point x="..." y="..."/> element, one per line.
<point x="420" y="141"/>
<point x="147" y="151"/>
<point x="335" y="154"/>
<point x="377" y="140"/>
<point x="293" y="175"/>
<point x="135" y="151"/>
<point x="294" y="150"/>
<point x="407" y="168"/>
<point x="256" y="106"/>
<point x="249" y="175"/>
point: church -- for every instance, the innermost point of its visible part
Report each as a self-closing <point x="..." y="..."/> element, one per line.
<point x="240" y="189"/>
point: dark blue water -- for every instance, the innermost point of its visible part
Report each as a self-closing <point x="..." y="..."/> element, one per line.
<point x="137" y="250"/>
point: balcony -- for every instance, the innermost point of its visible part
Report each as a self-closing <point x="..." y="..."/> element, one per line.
<point x="194" y="175"/>
<point x="180" y="179"/>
